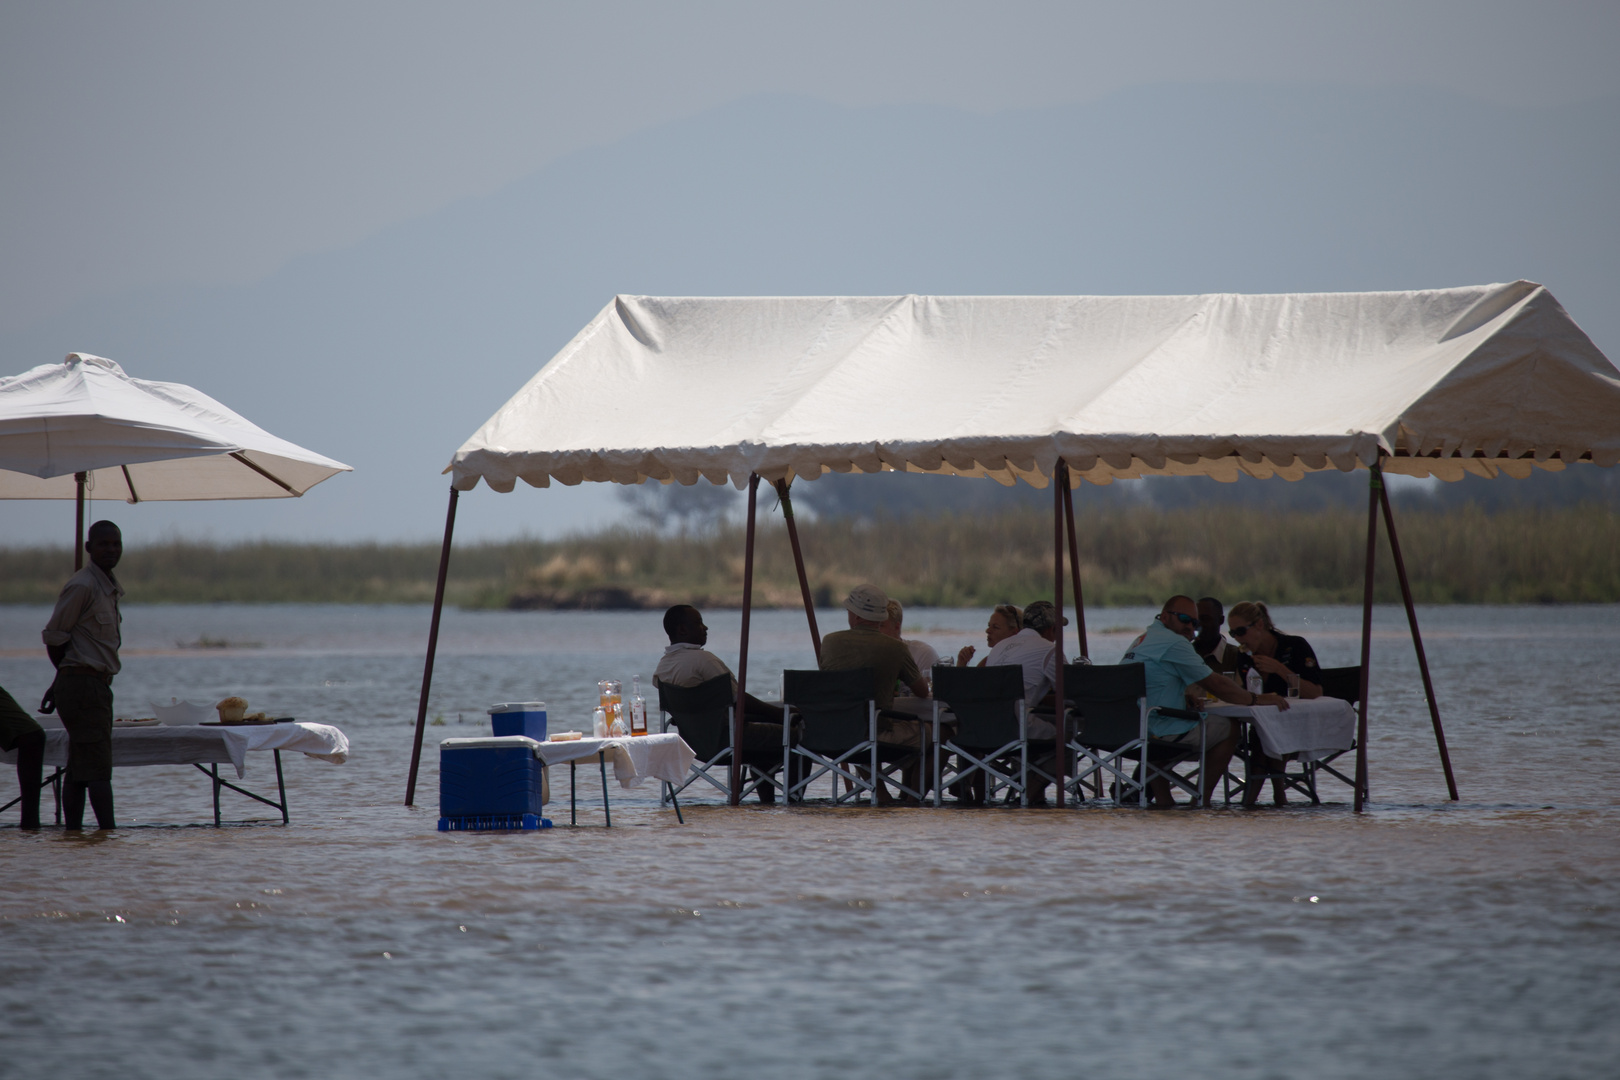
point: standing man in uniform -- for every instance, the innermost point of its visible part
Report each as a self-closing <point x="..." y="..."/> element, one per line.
<point x="82" y="639"/>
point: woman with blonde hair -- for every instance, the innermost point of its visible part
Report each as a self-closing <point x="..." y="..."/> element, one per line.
<point x="1005" y="622"/>
<point x="1284" y="661"/>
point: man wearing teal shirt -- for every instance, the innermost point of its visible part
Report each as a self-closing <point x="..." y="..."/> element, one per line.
<point x="1173" y="667"/>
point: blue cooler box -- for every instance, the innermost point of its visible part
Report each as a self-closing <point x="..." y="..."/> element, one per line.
<point x="500" y="776"/>
<point x="527" y="718"/>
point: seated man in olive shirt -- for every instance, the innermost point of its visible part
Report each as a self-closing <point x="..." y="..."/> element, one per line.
<point x="865" y="645"/>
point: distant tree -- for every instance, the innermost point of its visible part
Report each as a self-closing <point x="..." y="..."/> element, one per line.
<point x="702" y="507"/>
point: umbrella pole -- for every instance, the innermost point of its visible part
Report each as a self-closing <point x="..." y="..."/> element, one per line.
<point x="742" y="653"/>
<point x="1060" y="485"/>
<point x="1417" y="641"/>
<point x="432" y="649"/>
<point x="1376" y="484"/>
<point x="1074" y="569"/>
<point x="78" y="523"/>
<point x="798" y="564"/>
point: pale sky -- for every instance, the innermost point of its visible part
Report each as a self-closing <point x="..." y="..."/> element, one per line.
<point x="160" y="144"/>
<point x="302" y="207"/>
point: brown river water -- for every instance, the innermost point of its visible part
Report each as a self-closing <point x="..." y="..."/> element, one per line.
<point x="1422" y="938"/>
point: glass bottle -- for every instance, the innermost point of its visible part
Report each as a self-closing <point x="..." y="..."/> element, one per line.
<point x="599" y="724"/>
<point x="638" y="708"/>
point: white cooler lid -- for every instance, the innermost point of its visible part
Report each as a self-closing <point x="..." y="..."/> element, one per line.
<point x="492" y="742"/>
<point x="517" y="706"/>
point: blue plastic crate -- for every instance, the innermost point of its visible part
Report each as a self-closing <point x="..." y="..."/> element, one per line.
<point x="490" y="777"/>
<point x="493" y="823"/>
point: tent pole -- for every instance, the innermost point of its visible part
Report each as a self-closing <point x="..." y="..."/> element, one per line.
<point x="1074" y="569"/>
<point x="433" y="647"/>
<point x="78" y="518"/>
<point x="742" y="653"/>
<point x="1417" y="641"/>
<point x="1060" y="486"/>
<point x="1375" y="485"/>
<point x="798" y="564"/>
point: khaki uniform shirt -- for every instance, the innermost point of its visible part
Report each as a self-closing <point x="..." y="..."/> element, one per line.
<point x="685" y="664"/>
<point x="890" y="660"/>
<point x="87" y="620"/>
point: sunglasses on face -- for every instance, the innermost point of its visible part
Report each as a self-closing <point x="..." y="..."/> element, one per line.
<point x="1238" y="631"/>
<point x="1186" y="620"/>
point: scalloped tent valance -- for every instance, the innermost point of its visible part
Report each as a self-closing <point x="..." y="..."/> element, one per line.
<point x="1485" y="380"/>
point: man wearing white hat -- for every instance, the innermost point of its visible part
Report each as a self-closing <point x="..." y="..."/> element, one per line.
<point x="865" y="645"/>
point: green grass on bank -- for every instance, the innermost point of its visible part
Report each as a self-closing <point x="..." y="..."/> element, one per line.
<point x="1128" y="556"/>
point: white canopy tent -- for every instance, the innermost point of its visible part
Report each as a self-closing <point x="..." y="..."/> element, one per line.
<point x="85" y="424"/>
<point x="1484" y="380"/>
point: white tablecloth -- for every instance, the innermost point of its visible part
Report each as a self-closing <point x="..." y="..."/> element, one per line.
<point x="1313" y="729"/>
<point x="163" y="745"/>
<point x="659" y="757"/>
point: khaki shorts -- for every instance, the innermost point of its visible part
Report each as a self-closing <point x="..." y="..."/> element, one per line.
<point x="1219" y="729"/>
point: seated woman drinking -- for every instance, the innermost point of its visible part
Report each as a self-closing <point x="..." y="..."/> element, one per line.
<point x="1283" y="660"/>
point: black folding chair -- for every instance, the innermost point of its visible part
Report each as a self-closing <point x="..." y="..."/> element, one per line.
<point x="703" y="714"/>
<point x="991" y="728"/>
<point x="838" y="728"/>
<point x="1111" y="700"/>
<point x="1341" y="682"/>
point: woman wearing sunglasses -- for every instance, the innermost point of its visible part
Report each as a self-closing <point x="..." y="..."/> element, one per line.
<point x="1283" y="661"/>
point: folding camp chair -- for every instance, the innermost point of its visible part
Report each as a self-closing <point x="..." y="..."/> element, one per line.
<point x="1113" y="727"/>
<point x="838" y="734"/>
<point x="991" y="733"/>
<point x="1341" y="682"/>
<point x="703" y="715"/>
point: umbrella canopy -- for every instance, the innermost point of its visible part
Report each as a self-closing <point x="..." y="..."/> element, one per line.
<point x="138" y="440"/>
<point x="1485" y="380"/>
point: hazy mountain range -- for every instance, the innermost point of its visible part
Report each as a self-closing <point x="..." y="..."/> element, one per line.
<point x="389" y="353"/>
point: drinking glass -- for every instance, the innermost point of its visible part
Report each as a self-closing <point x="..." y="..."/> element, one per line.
<point x="1293" y="686"/>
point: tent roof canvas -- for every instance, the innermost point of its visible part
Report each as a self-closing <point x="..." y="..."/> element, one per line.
<point x="1484" y="380"/>
<point x="140" y="440"/>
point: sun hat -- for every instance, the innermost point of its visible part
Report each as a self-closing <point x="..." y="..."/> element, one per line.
<point x="868" y="602"/>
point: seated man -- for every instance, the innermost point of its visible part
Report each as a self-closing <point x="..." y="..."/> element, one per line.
<point x="1219" y="653"/>
<point x="687" y="663"/>
<point x="1173" y="666"/>
<point x="864" y="645"/>
<point x="1034" y="649"/>
<point x="923" y="654"/>
<point x="22" y="733"/>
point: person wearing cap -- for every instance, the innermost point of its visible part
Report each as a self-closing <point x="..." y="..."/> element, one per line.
<point x="865" y="645"/>
<point x="1034" y="649"/>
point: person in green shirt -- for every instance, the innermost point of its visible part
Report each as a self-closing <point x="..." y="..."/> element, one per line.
<point x="865" y="645"/>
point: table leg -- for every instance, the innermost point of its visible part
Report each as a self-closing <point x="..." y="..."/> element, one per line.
<point x="573" y="807"/>
<point x="281" y="788"/>
<point x="213" y="771"/>
<point x="601" y="759"/>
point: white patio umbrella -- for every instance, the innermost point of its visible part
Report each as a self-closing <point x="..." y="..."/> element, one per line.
<point x="84" y="423"/>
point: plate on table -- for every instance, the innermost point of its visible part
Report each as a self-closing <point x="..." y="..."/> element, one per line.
<point x="152" y="722"/>
<point x="244" y="723"/>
